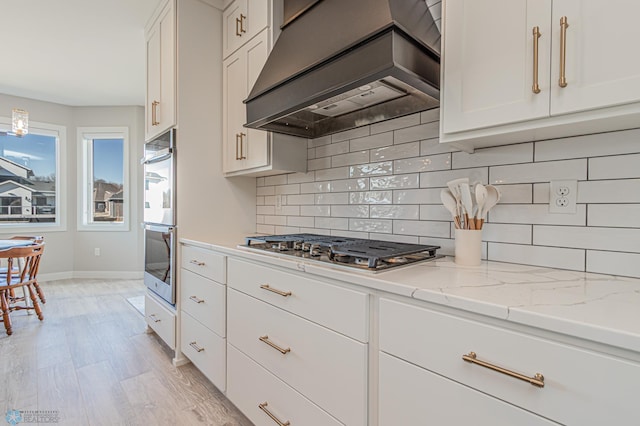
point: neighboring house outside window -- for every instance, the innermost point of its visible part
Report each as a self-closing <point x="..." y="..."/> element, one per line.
<point x="30" y="177"/>
<point x="104" y="183"/>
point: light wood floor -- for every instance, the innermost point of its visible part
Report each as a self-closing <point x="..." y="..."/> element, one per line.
<point x="91" y="360"/>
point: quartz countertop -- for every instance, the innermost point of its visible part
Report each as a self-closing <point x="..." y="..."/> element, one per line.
<point x="596" y="307"/>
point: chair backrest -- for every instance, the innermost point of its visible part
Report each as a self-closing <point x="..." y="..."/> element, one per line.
<point x="31" y="257"/>
<point x="35" y="238"/>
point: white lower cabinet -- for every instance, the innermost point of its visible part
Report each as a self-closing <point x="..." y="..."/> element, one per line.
<point x="326" y="367"/>
<point x="259" y="395"/>
<point x="581" y="387"/>
<point x="410" y="395"/>
<point x="160" y="319"/>
<point x="205" y="349"/>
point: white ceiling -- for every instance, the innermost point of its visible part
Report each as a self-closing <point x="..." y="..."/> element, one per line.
<point x="75" y="52"/>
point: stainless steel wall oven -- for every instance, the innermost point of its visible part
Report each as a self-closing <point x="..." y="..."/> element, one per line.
<point x="159" y="165"/>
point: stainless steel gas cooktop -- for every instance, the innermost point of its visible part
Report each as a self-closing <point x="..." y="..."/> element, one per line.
<point x="370" y="255"/>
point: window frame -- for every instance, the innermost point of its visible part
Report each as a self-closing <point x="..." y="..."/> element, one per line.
<point x="60" y="224"/>
<point x="86" y="135"/>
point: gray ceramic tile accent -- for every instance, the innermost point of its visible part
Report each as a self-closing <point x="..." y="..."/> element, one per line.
<point x="395" y="212"/>
<point x="288" y="189"/>
<point x="405" y="150"/>
<point x="300" y="221"/>
<point x="371" y="142"/>
<point x="428" y="163"/>
<point x="416" y="133"/>
<point x="312" y="188"/>
<point x="319" y="163"/>
<point x="433" y="146"/>
<point x="332" y="222"/>
<point x="332" y="174"/>
<point x="371" y="225"/>
<point x="394" y="182"/>
<point x="332" y="149"/>
<point x="396" y="123"/>
<point x="275" y="220"/>
<point x="358" y="157"/>
<point x="333" y="198"/>
<point x="315" y="210"/>
<point x="416" y="196"/>
<point x="373" y="169"/>
<point x="396" y="238"/>
<point x="349" y="185"/>
<point x="371" y="197"/>
<point x="288" y="211"/>
<point x="301" y="199"/>
<point x="301" y="177"/>
<point x="358" y="132"/>
<point x="350" y="211"/>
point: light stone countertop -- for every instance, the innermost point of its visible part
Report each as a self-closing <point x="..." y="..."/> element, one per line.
<point x="596" y="307"/>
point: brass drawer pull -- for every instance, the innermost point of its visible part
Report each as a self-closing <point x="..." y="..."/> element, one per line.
<point x="196" y="347"/>
<point x="195" y="299"/>
<point x="536" y="380"/>
<point x="263" y="407"/>
<point x="275" y="290"/>
<point x="196" y="262"/>
<point x="266" y="340"/>
<point x="536" y="36"/>
<point x="154" y="318"/>
<point x="564" y="24"/>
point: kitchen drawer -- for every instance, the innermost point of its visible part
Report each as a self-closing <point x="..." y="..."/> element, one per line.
<point x="340" y="309"/>
<point x="204" y="262"/>
<point x="581" y="387"/>
<point x="251" y="385"/>
<point x="205" y="349"/>
<point x="409" y="395"/>
<point x="160" y="319"/>
<point x="205" y="300"/>
<point x="326" y="367"/>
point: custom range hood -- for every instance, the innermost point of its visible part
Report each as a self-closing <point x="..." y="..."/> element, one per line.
<point x="340" y="64"/>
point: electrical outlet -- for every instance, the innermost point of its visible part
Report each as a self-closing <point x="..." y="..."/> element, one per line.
<point x="278" y="202"/>
<point x="96" y="251"/>
<point x="562" y="196"/>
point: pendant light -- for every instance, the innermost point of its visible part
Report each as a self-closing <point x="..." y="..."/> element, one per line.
<point x="19" y="122"/>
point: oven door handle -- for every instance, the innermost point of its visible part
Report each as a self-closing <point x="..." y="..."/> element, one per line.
<point x="158" y="228"/>
<point x="162" y="155"/>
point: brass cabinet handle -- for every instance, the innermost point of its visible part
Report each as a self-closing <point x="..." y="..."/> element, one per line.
<point x="237" y="143"/>
<point x="536" y="380"/>
<point x="240" y="25"/>
<point x="196" y="262"/>
<point x="195" y="299"/>
<point x="266" y="340"/>
<point x="195" y="346"/>
<point x="263" y="407"/>
<point x="242" y="156"/>
<point x="154" y="113"/>
<point x="154" y="318"/>
<point x="564" y="24"/>
<point x="536" y="36"/>
<point x="275" y="290"/>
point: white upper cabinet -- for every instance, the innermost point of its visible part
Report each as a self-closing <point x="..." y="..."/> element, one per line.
<point x="502" y="83"/>
<point x="243" y="20"/>
<point x="160" y="103"/>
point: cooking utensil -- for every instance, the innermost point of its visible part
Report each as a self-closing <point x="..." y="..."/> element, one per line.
<point x="451" y="204"/>
<point x="481" y="198"/>
<point x="454" y="187"/>
<point x="467" y="204"/>
<point x="493" y="196"/>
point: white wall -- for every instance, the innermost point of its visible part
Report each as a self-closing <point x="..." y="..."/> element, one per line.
<point x="71" y="252"/>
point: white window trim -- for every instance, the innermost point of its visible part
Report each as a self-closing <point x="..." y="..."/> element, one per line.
<point x="60" y="133"/>
<point x="85" y="186"/>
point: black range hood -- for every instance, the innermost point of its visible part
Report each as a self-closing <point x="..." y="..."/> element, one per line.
<point x="340" y="64"/>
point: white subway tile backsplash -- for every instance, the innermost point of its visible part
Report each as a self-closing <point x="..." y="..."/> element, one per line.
<point x="440" y="179"/>
<point x="552" y="257"/>
<point x="596" y="238"/>
<point x="374" y="169"/>
<point x="503" y="233"/>
<point x="614" y="215"/>
<point x="405" y="150"/>
<point x="423" y="164"/>
<point x="287" y="230"/>
<point x="614" y="263"/>
<point x="394" y="182"/>
<point x="350" y="191"/>
<point x="615" y="167"/>
<point x="332" y="149"/>
<point x="609" y="191"/>
<point x="422" y="228"/>
<point x="395" y="212"/>
<point x="371" y="142"/>
<point x="396" y="123"/>
<point x="350" y="211"/>
<point x="371" y="197"/>
<point x="416" y="133"/>
<point x="612" y="143"/>
<point x="371" y="225"/>
<point x="539" y="172"/>
<point x="417" y="196"/>
<point x="510" y="154"/>
<point x="537" y="214"/>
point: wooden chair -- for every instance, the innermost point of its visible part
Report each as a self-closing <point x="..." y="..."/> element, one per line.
<point x="37" y="239"/>
<point x="25" y="277"/>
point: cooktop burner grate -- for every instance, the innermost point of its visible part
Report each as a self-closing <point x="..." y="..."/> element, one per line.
<point x="360" y="253"/>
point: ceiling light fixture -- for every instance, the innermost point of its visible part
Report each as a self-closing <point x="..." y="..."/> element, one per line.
<point x="19" y="122"/>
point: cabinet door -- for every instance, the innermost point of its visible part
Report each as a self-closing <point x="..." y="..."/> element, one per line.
<point x="410" y="395"/>
<point x="488" y="58"/>
<point x="602" y="63"/>
<point x="161" y="63"/>
<point x="242" y="21"/>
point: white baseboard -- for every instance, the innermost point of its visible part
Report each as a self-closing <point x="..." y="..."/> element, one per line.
<point x="122" y="275"/>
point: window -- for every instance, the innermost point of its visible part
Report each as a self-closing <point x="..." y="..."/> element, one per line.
<point x="30" y="177"/>
<point x="105" y="191"/>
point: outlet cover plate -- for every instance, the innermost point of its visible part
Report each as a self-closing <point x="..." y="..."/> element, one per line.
<point x="562" y="196"/>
